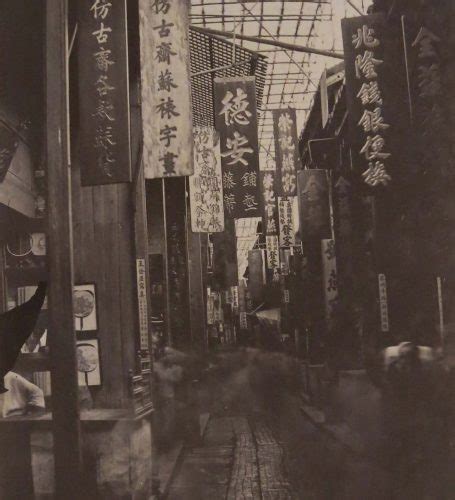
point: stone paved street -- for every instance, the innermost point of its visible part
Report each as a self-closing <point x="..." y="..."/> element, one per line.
<point x="239" y="459"/>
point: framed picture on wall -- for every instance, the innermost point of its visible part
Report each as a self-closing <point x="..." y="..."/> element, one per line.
<point x="85" y="311"/>
<point x="88" y="362"/>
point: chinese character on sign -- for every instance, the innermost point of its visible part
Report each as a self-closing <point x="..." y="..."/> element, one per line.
<point x="166" y="81"/>
<point x="369" y="93"/>
<point x="238" y="148"/>
<point x="102" y="86"/>
<point x="228" y="180"/>
<point x="101" y="34"/>
<point x="164" y="52"/>
<point x="373" y="147"/>
<point x="168" y="160"/>
<point x="376" y="174"/>
<point x="249" y="202"/>
<point x="100" y="9"/>
<point x="103" y="59"/>
<point x="249" y="179"/>
<point x="365" y="37"/>
<point x="164" y="29"/>
<point x="372" y="121"/>
<point x="366" y="65"/>
<point x="167" y="108"/>
<point x="426" y="40"/>
<point x="235" y="109"/>
<point x="229" y="202"/>
<point x="167" y="133"/>
<point x="161" y="6"/>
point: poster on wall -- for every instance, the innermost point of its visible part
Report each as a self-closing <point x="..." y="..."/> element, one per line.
<point x="236" y="122"/>
<point x="85" y="312"/>
<point x="206" y="191"/>
<point x="103" y="92"/>
<point x="88" y="362"/>
<point x="286" y="150"/>
<point x="165" y="77"/>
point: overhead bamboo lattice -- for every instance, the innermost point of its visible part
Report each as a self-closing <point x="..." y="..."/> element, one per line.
<point x="292" y="77"/>
<point x="208" y="52"/>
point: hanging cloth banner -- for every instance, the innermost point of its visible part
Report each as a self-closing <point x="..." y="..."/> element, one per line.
<point x="376" y="95"/>
<point x="165" y="76"/>
<point x="286" y="150"/>
<point x="206" y="193"/>
<point x="286" y="217"/>
<point x="236" y="122"/>
<point x="273" y="252"/>
<point x="329" y="269"/>
<point x="270" y="211"/>
<point x="103" y="93"/>
<point x="314" y="205"/>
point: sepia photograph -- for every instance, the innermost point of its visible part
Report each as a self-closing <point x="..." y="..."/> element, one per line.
<point x="227" y="239"/>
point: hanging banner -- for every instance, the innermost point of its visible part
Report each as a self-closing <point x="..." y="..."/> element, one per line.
<point x="270" y="211"/>
<point x="165" y="77"/>
<point x="376" y="94"/>
<point x="142" y="304"/>
<point x="286" y="150"/>
<point x="286" y="217"/>
<point x="314" y="205"/>
<point x="206" y="194"/>
<point x="273" y="252"/>
<point x="329" y="270"/>
<point x="103" y="93"/>
<point x="236" y="122"/>
<point x="383" y="303"/>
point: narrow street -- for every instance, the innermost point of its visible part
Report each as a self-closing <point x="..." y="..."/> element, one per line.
<point x="259" y="445"/>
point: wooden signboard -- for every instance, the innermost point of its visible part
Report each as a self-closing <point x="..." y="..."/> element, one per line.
<point x="165" y="75"/>
<point x="103" y="93"/>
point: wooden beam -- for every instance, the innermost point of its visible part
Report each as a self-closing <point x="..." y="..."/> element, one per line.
<point x="65" y="398"/>
<point x="275" y="43"/>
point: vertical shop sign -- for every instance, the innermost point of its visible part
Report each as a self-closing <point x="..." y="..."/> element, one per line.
<point x="142" y="303"/>
<point x="235" y="298"/>
<point x="427" y="49"/>
<point x="206" y="193"/>
<point x="236" y="122"/>
<point x="383" y="304"/>
<point x="286" y="218"/>
<point x="210" y="308"/>
<point x="103" y="92"/>
<point x="273" y="252"/>
<point x="165" y="75"/>
<point x="370" y="61"/>
<point x="286" y="150"/>
<point x="270" y="212"/>
<point x="329" y="269"/>
<point x="314" y="202"/>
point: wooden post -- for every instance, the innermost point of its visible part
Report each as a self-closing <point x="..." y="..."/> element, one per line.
<point x="65" y="404"/>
